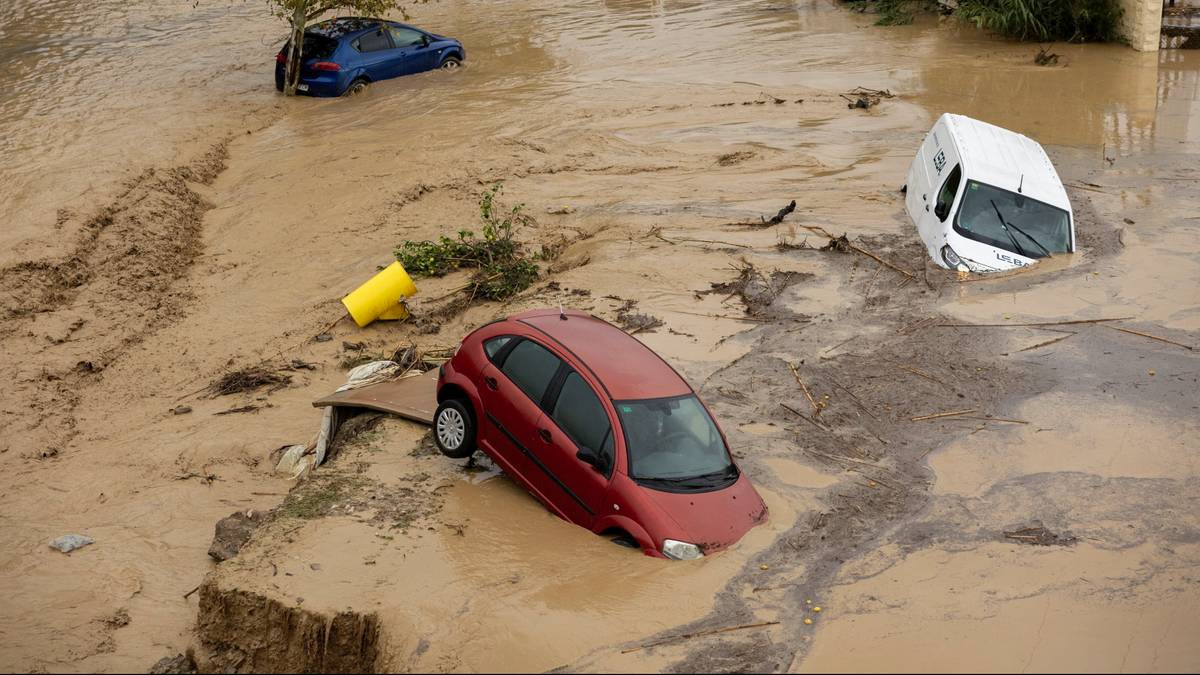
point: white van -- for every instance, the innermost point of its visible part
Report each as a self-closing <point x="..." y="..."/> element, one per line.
<point x="986" y="199"/>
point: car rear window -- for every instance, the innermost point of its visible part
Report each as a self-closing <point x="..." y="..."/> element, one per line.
<point x="493" y="346"/>
<point x="531" y="366"/>
<point x="315" y="47"/>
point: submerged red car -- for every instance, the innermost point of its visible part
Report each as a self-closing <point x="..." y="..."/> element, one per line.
<point x="600" y="429"/>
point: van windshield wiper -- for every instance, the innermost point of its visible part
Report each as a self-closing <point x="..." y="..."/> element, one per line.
<point x="1004" y="226"/>
<point x="1030" y="238"/>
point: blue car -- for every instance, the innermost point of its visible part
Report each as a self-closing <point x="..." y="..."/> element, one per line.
<point x="344" y="55"/>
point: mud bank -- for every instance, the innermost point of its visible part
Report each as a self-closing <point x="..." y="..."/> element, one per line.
<point x="251" y="633"/>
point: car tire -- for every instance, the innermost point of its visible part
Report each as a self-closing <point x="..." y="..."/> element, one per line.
<point x="451" y="63"/>
<point x="454" y="429"/>
<point x="357" y="87"/>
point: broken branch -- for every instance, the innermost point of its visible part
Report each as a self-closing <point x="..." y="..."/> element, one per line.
<point x="935" y="416"/>
<point x="1152" y="337"/>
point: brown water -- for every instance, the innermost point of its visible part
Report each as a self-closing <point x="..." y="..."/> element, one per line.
<point x="615" y="108"/>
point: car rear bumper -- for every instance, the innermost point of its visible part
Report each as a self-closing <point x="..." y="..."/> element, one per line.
<point x="325" y="84"/>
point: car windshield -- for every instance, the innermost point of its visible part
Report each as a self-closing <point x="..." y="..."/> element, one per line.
<point x="1012" y="222"/>
<point x="674" y="440"/>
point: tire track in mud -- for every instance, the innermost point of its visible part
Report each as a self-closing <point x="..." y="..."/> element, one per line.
<point x="62" y="322"/>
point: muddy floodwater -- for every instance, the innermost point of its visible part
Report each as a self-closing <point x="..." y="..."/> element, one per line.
<point x="168" y="217"/>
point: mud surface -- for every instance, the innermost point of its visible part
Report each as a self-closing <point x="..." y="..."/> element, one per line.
<point x="211" y="228"/>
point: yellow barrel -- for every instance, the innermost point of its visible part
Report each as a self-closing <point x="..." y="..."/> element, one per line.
<point x="380" y="297"/>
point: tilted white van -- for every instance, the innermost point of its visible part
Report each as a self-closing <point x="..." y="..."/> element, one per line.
<point x="986" y="199"/>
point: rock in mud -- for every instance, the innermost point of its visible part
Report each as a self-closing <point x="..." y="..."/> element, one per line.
<point x="232" y="533"/>
<point x="70" y="542"/>
<point x="180" y="664"/>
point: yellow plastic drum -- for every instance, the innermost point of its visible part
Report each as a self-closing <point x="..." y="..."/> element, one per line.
<point x="380" y="297"/>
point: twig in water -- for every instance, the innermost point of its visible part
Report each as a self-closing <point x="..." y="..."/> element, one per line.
<point x="807" y="394"/>
<point x="1046" y="343"/>
<point x="935" y="416"/>
<point x="1153" y="337"/>
<point x="1038" y="323"/>
<point x="804" y="417"/>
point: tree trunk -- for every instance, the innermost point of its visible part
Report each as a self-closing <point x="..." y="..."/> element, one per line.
<point x="291" y="75"/>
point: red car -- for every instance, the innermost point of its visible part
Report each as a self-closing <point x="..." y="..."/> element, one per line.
<point x="600" y="429"/>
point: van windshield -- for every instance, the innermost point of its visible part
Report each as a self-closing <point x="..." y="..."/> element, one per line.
<point x="1012" y="222"/>
<point x="673" y="443"/>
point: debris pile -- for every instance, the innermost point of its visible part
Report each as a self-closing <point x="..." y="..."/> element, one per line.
<point x="1037" y="535"/>
<point x="865" y="99"/>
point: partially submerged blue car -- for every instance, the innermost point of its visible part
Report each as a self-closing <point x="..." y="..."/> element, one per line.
<point x="346" y="54"/>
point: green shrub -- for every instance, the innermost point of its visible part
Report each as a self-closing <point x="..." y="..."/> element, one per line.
<point x="1046" y="20"/>
<point x="502" y="269"/>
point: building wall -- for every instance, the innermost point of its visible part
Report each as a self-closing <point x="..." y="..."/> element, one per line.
<point x="1142" y="23"/>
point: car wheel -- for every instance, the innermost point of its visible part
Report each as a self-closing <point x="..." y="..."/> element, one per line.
<point x="357" y="87"/>
<point x="451" y="63"/>
<point x="454" y="429"/>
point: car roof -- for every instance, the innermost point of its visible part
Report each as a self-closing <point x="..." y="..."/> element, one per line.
<point x="1006" y="159"/>
<point x="626" y="368"/>
<point x="344" y="26"/>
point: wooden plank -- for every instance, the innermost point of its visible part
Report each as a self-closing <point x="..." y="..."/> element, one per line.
<point x="413" y="398"/>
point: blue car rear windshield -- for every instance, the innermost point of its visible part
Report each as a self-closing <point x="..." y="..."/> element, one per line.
<point x="315" y="47"/>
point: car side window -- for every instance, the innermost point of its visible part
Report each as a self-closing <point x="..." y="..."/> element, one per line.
<point x="580" y="414"/>
<point x="406" y="37"/>
<point x="495" y="345"/>
<point x="946" y="195"/>
<point x="531" y="366"/>
<point x="374" y="41"/>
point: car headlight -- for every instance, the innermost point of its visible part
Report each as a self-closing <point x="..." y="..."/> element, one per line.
<point x="952" y="260"/>
<point x="679" y="550"/>
<point x="950" y="257"/>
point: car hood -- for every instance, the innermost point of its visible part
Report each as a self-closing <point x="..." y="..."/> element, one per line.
<point x="713" y="520"/>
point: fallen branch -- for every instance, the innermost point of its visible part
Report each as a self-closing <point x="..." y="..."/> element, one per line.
<point x="689" y="636"/>
<point x="995" y="419"/>
<point x="1030" y="325"/>
<point x="858" y="249"/>
<point x="853" y="398"/>
<point x="935" y="416"/>
<point x="1047" y="343"/>
<point x="189" y="593"/>
<point x="1153" y="337"/>
<point x="804" y="417"/>
<point x="807" y="394"/>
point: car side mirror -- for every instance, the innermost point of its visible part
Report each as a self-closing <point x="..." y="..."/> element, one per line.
<point x="424" y="40"/>
<point x="589" y="457"/>
<point x="941" y="210"/>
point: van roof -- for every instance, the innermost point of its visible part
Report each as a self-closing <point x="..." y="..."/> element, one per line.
<point x="1006" y="159"/>
<point x="627" y="368"/>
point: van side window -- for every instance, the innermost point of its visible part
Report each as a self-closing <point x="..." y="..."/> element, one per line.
<point x="946" y="195"/>
<point x="495" y="345"/>
<point x="531" y="367"/>
<point x="580" y="414"/>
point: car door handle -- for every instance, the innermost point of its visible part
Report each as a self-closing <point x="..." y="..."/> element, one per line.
<point x="492" y="383"/>
<point x="545" y="434"/>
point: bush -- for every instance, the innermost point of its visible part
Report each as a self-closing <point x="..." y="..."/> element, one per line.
<point x="1046" y="20"/>
<point x="503" y="270"/>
